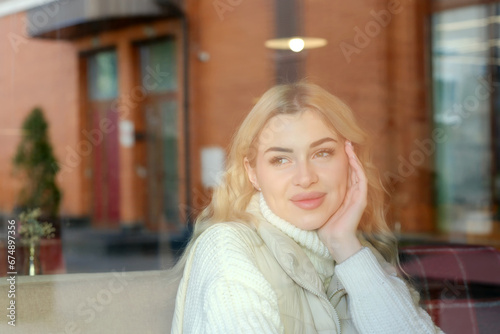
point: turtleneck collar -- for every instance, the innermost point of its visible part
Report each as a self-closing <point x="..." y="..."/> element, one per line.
<point x="308" y="240"/>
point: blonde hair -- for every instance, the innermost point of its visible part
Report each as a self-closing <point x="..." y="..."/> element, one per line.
<point x="230" y="199"/>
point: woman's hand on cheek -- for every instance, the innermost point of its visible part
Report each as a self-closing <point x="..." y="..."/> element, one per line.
<point x="339" y="232"/>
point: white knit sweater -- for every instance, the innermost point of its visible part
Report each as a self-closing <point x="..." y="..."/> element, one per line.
<point x="226" y="292"/>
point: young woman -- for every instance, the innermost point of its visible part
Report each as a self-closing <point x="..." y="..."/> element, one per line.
<point x="295" y="239"/>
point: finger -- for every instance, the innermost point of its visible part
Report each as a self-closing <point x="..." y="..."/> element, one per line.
<point x="356" y="165"/>
<point x="361" y="183"/>
<point x="349" y="187"/>
<point x="351" y="174"/>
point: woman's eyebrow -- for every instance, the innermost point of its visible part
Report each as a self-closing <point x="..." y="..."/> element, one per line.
<point x="279" y="149"/>
<point x="289" y="150"/>
<point x="321" y="141"/>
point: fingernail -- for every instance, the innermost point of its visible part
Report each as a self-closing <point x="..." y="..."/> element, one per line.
<point x="348" y="142"/>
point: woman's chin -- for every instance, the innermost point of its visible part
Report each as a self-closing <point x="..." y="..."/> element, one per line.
<point x="310" y="221"/>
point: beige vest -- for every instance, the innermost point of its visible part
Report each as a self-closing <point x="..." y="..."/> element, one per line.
<point x="304" y="306"/>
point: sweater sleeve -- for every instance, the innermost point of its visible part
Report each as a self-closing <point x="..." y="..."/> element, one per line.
<point x="226" y="292"/>
<point x="379" y="302"/>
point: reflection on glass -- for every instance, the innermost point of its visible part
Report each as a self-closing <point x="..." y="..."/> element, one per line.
<point x="103" y="77"/>
<point x="461" y="53"/>
<point x="158" y="65"/>
<point x="170" y="153"/>
<point x="158" y="74"/>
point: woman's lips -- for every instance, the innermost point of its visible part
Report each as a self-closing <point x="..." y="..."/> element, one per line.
<point x="308" y="201"/>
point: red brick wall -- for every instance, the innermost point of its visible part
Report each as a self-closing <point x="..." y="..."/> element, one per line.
<point x="239" y="70"/>
<point x="37" y="73"/>
<point x="385" y="82"/>
<point x="375" y="60"/>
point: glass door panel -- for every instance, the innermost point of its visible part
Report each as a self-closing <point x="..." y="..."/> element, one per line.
<point x="461" y="58"/>
<point x="162" y="123"/>
<point x="102" y="84"/>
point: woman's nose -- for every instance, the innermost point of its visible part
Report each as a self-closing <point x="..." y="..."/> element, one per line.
<point x="305" y="175"/>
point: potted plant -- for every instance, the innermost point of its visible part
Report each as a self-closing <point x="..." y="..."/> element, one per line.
<point x="31" y="230"/>
<point x="36" y="165"/>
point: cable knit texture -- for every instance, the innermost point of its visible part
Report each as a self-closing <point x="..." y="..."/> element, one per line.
<point x="314" y="248"/>
<point x="226" y="292"/>
<point x="380" y="300"/>
<point x="307" y="239"/>
<point x="223" y="290"/>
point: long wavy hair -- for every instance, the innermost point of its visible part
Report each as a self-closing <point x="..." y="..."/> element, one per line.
<point x="230" y="199"/>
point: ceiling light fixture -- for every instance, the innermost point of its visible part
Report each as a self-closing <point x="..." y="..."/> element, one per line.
<point x="296" y="44"/>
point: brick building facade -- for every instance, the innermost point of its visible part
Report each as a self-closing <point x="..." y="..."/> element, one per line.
<point x="376" y="60"/>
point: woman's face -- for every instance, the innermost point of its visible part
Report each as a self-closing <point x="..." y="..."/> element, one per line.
<point x="301" y="168"/>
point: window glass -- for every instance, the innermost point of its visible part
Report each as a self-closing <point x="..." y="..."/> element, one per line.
<point x="170" y="160"/>
<point x="160" y="107"/>
<point x="461" y="59"/>
<point x="140" y="105"/>
<point x="102" y="76"/>
<point x="159" y="61"/>
<point x="162" y="151"/>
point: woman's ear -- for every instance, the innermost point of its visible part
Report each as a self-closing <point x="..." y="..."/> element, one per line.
<point x="252" y="176"/>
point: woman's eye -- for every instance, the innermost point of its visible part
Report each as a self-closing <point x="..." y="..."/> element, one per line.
<point x="278" y="161"/>
<point x="324" y="153"/>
